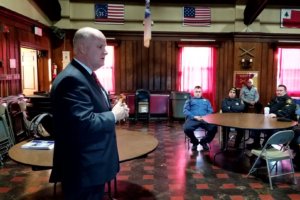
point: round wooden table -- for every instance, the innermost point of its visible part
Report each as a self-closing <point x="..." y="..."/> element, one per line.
<point x="246" y="121"/>
<point x="131" y="144"/>
<point x="249" y="121"/>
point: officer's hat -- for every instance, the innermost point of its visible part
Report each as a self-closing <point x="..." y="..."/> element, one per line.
<point x="233" y="89"/>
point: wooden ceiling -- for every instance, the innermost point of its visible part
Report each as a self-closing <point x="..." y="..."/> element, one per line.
<point x="253" y="8"/>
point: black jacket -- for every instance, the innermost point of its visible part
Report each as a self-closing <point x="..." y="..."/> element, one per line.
<point x="232" y="105"/>
<point x="283" y="106"/>
<point x="85" y="152"/>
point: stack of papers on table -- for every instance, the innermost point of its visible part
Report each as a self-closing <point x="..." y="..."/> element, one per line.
<point x="39" y="144"/>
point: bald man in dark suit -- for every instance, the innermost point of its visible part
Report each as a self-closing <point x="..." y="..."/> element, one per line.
<point x="85" y="153"/>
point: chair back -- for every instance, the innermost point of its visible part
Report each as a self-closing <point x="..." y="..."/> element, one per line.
<point x="281" y="137"/>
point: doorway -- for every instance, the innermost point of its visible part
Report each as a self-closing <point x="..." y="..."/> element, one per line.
<point x="29" y="74"/>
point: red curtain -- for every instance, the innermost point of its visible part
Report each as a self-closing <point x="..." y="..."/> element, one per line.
<point x="288" y="72"/>
<point x="106" y="73"/>
<point x="197" y="66"/>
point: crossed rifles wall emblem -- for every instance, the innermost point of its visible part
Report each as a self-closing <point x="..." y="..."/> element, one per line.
<point x="247" y="52"/>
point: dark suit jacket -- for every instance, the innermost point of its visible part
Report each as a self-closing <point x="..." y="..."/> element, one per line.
<point x="85" y="152"/>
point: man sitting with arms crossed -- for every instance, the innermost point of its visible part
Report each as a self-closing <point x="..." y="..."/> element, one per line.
<point x="194" y="109"/>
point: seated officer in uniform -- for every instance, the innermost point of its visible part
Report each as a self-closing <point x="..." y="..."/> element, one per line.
<point x="234" y="105"/>
<point x="194" y="109"/>
<point x="281" y="106"/>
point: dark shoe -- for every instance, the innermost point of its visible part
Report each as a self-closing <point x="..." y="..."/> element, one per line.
<point x="194" y="147"/>
<point x="204" y="145"/>
<point x="259" y="163"/>
<point x="253" y="146"/>
<point x="296" y="168"/>
<point x="236" y="145"/>
<point x="296" y="162"/>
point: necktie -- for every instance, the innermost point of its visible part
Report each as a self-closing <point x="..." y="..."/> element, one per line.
<point x="101" y="88"/>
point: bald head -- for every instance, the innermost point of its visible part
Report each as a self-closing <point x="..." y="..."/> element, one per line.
<point x="89" y="47"/>
<point x="84" y="36"/>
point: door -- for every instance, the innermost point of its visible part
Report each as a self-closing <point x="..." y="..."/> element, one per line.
<point x="29" y="71"/>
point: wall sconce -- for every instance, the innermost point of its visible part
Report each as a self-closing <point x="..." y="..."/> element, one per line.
<point x="246" y="63"/>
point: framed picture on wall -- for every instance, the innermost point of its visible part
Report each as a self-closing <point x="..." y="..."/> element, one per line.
<point x="240" y="78"/>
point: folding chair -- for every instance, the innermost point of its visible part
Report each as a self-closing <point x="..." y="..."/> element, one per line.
<point x="271" y="154"/>
<point x="6" y="133"/>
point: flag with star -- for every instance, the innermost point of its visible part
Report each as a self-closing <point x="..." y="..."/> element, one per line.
<point x="109" y="13"/>
<point x="196" y="16"/>
<point x="290" y="18"/>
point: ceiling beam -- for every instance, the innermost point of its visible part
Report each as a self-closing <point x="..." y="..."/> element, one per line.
<point x="51" y="8"/>
<point x="253" y="9"/>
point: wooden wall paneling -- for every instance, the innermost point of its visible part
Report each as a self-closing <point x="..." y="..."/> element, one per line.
<point x="257" y="65"/>
<point x="5" y="83"/>
<point x="150" y="61"/>
<point x="272" y="80"/>
<point x="1" y="63"/>
<point x="229" y="54"/>
<point x="225" y="70"/>
<point x="14" y="53"/>
<point x="129" y="66"/>
<point x="138" y="68"/>
<point x="122" y="75"/>
<point x="264" y="75"/>
<point x="57" y="55"/>
<point x="1" y="51"/>
<point x="58" y="46"/>
<point x="163" y="67"/>
<point x="157" y="67"/>
<point x="40" y="72"/>
<point x="142" y="66"/>
<point x="219" y="74"/>
<point x="169" y="64"/>
<point x="228" y="70"/>
<point x="174" y="67"/>
<point x="43" y="72"/>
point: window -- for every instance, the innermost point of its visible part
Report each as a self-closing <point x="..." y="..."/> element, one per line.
<point x="288" y="71"/>
<point x="197" y="67"/>
<point x="106" y="73"/>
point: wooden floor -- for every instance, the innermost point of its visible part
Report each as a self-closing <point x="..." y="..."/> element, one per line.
<point x="171" y="172"/>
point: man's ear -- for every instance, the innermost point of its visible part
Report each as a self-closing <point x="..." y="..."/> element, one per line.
<point x="81" y="48"/>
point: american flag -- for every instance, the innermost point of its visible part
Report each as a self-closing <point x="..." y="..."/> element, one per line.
<point x="290" y="18"/>
<point x="109" y="13"/>
<point x="196" y="16"/>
